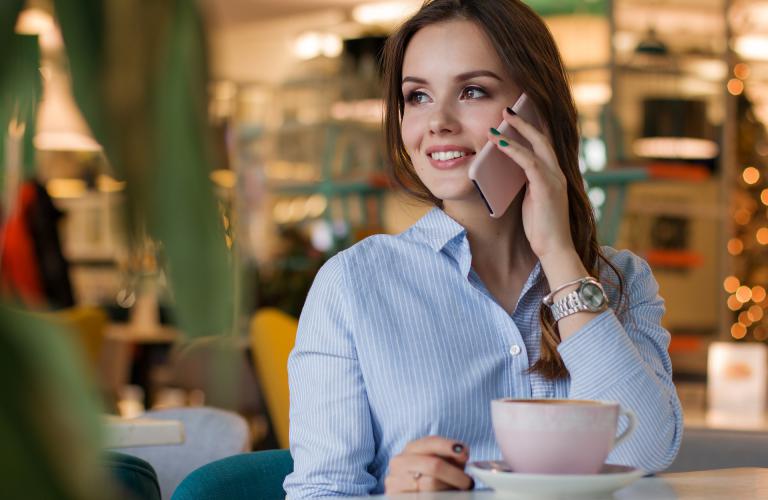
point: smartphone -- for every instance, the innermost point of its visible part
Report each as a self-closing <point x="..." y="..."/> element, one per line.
<point x="498" y="177"/>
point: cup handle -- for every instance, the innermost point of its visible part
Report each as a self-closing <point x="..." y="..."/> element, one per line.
<point x="630" y="427"/>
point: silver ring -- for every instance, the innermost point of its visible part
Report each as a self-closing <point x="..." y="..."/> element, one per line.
<point x="416" y="475"/>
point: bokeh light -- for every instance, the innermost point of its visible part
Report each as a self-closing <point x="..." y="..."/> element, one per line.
<point x="735" y="86"/>
<point x="762" y="235"/>
<point x="751" y="175"/>
<point x="738" y="331"/>
<point x="744" y="294"/>
<point x="733" y="303"/>
<point x="731" y="284"/>
<point x="735" y="246"/>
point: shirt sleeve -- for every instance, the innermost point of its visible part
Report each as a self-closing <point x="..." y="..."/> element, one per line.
<point x="626" y="359"/>
<point x="331" y="434"/>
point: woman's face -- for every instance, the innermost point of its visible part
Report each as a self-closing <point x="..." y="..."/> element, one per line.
<point x="455" y="89"/>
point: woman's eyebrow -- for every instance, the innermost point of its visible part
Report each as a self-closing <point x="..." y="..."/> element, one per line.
<point x="414" y="79"/>
<point x="473" y="74"/>
<point x="459" y="78"/>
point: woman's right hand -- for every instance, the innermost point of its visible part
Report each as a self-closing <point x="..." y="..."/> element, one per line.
<point x="432" y="463"/>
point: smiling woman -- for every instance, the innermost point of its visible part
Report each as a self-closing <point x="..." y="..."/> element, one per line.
<point x="405" y="340"/>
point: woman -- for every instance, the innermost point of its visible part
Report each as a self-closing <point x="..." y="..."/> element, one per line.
<point x="404" y="340"/>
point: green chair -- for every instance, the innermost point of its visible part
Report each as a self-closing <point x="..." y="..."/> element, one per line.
<point x="249" y="476"/>
<point x="135" y="477"/>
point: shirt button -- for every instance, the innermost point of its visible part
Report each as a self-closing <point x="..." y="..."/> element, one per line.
<point x="514" y="350"/>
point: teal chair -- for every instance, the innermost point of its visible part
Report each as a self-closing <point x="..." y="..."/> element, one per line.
<point x="135" y="478"/>
<point x="249" y="476"/>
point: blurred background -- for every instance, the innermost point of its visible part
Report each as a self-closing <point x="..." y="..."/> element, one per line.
<point x="177" y="263"/>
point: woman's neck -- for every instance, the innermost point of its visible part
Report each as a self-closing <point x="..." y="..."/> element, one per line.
<point x="499" y="246"/>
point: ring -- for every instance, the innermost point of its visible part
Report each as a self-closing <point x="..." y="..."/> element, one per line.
<point x="416" y="476"/>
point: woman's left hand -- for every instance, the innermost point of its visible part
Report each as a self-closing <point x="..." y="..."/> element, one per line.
<point x="545" y="206"/>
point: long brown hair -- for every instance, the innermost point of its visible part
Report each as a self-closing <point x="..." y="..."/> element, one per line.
<point x="528" y="51"/>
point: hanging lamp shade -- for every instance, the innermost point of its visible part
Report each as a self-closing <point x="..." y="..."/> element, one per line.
<point x="676" y="129"/>
<point x="60" y="124"/>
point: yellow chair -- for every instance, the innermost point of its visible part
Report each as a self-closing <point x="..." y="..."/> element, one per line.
<point x="88" y="325"/>
<point x="273" y="334"/>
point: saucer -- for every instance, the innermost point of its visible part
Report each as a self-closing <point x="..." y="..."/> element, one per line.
<point x="499" y="476"/>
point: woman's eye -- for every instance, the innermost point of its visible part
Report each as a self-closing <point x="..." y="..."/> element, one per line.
<point x="416" y="97"/>
<point x="473" y="93"/>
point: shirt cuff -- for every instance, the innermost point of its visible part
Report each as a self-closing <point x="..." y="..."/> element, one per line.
<point x="599" y="355"/>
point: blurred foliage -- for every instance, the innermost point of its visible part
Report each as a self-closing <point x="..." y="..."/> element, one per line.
<point x="20" y="91"/>
<point x="49" y="421"/>
<point x="140" y="76"/>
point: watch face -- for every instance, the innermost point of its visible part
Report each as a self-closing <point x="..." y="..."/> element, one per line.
<point x="592" y="296"/>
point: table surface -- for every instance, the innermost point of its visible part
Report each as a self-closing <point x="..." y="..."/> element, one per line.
<point x="720" y="484"/>
<point x="710" y="419"/>
<point x="129" y="432"/>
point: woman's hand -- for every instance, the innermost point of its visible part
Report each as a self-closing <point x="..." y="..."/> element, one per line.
<point x="545" y="206"/>
<point x="432" y="463"/>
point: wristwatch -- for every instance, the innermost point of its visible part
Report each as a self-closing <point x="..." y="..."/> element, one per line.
<point x="589" y="296"/>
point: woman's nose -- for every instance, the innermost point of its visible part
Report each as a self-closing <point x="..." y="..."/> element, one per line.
<point x="443" y="121"/>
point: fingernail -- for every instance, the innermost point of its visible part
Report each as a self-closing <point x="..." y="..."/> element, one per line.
<point x="503" y="143"/>
<point x="495" y="132"/>
<point x="511" y="111"/>
<point x="458" y="448"/>
<point x="472" y="484"/>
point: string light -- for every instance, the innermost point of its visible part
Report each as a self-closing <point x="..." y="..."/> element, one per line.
<point x="741" y="71"/>
<point x="758" y="294"/>
<point x="731" y="284"/>
<point x="760" y="333"/>
<point x="742" y="216"/>
<point x="751" y="175"/>
<point x="733" y="303"/>
<point x="755" y="313"/>
<point x="735" y="86"/>
<point x="735" y="246"/>
<point x="762" y="235"/>
<point x="738" y="331"/>
<point x="744" y="319"/>
<point x="764" y="196"/>
<point x="744" y="294"/>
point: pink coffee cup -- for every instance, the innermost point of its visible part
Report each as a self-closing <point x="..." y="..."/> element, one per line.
<point x="557" y="436"/>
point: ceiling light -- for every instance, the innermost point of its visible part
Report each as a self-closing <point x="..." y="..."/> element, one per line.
<point x="682" y="148"/>
<point x="384" y="12"/>
<point x="34" y="21"/>
<point x="752" y="47"/>
<point x="591" y="94"/>
<point x="313" y="44"/>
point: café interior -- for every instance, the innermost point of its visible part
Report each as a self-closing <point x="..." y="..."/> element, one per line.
<point x="174" y="174"/>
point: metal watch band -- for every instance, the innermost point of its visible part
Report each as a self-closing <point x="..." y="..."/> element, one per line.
<point x="573" y="303"/>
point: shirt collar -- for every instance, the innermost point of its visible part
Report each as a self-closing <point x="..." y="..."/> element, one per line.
<point x="439" y="229"/>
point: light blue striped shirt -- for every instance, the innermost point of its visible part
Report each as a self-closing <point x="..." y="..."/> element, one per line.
<point x="399" y="340"/>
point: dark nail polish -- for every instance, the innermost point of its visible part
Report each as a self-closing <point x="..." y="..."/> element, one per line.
<point x="511" y="111"/>
<point x="503" y="143"/>
<point x="458" y="448"/>
<point x="495" y="132"/>
<point x="472" y="484"/>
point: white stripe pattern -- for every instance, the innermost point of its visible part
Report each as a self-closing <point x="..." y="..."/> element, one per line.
<point x="399" y="339"/>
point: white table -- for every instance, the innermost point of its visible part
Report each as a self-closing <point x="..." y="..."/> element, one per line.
<point x="721" y="484"/>
<point x="709" y="419"/>
<point x="129" y="432"/>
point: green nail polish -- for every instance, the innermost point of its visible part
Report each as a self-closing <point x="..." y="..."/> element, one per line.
<point x="495" y="132"/>
<point x="503" y="143"/>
